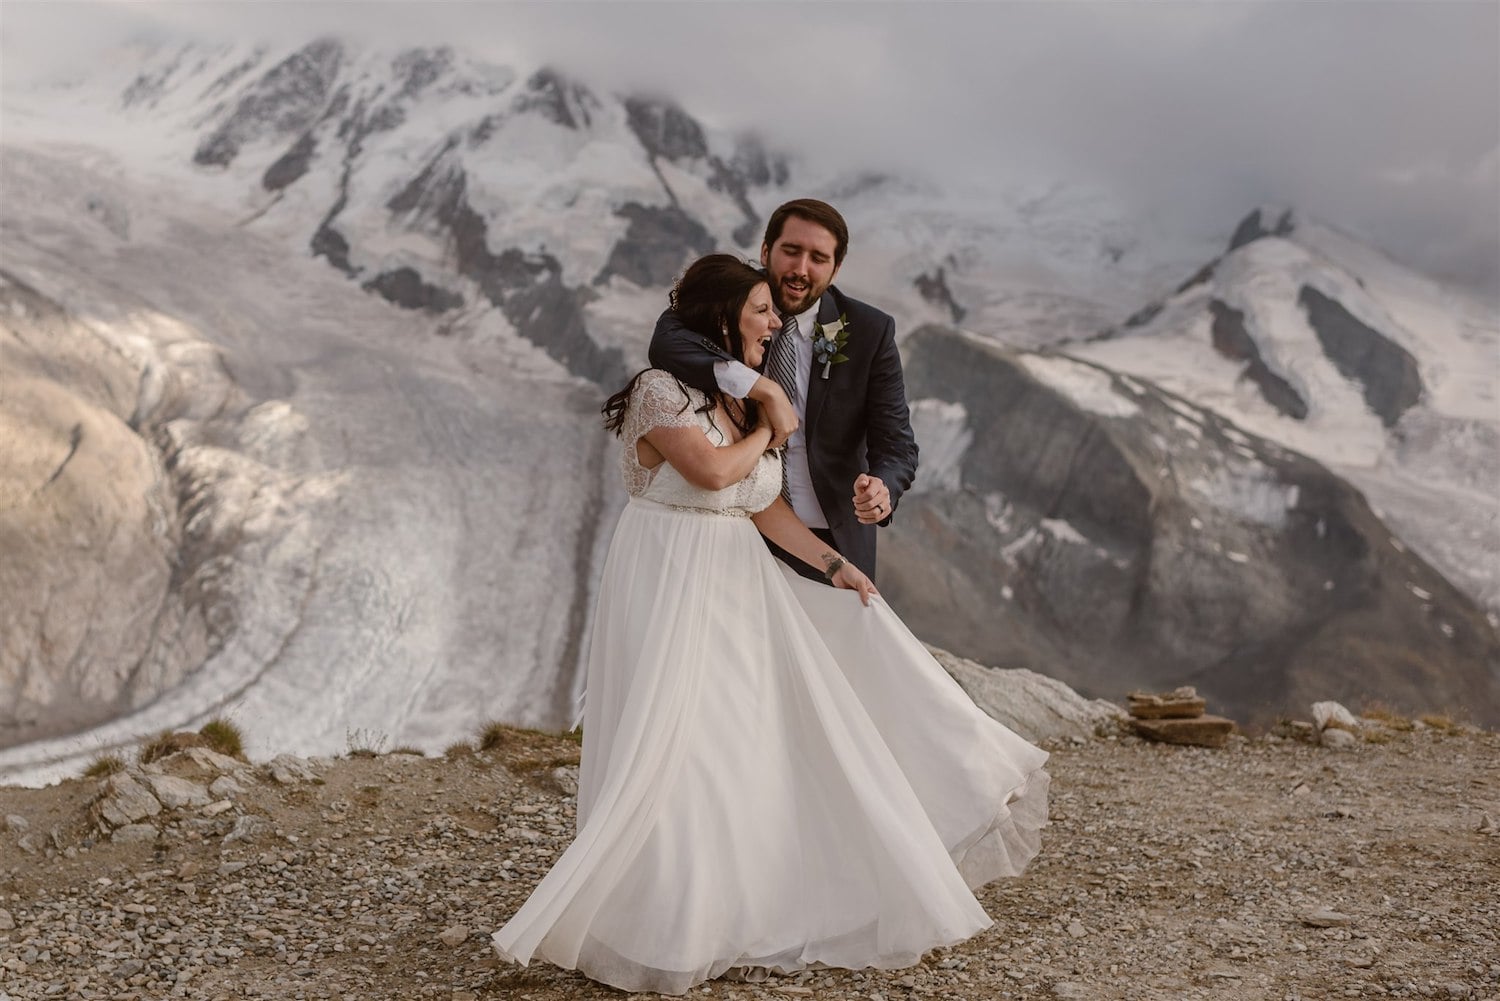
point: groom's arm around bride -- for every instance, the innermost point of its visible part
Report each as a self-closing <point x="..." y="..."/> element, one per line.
<point x="855" y="454"/>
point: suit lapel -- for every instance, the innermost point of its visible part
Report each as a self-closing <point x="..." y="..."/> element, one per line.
<point x="817" y="386"/>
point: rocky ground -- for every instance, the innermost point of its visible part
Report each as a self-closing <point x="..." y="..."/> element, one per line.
<point x="1271" y="869"/>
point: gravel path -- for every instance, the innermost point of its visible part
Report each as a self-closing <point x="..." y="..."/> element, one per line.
<point x="1166" y="873"/>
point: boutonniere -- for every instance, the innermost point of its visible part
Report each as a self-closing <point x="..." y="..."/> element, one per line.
<point x="828" y="342"/>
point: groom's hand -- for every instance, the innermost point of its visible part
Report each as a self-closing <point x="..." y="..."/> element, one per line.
<point x="779" y="413"/>
<point x="872" y="501"/>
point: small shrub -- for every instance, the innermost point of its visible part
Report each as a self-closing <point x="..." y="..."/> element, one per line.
<point x="157" y="747"/>
<point x="1439" y="721"/>
<point x="462" y="749"/>
<point x="1385" y="716"/>
<point x="415" y="752"/>
<point x="224" y="737"/>
<point x="104" y="765"/>
<point x="363" y="743"/>
<point x="492" y="735"/>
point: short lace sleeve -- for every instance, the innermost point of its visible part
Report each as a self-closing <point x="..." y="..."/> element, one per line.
<point x="659" y="401"/>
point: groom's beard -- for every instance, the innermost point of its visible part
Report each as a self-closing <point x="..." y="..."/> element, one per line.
<point x="792" y="303"/>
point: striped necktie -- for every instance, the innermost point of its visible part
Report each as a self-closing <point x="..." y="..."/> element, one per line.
<point x="782" y="366"/>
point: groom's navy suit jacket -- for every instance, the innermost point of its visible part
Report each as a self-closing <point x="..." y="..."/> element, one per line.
<point x="856" y="420"/>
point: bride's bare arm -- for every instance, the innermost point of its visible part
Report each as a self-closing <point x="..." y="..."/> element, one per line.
<point x="698" y="460"/>
<point x="780" y="524"/>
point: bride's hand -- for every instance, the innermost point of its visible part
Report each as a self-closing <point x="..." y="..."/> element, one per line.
<point x="852" y="578"/>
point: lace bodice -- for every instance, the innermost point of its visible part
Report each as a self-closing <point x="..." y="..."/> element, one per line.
<point x="659" y="400"/>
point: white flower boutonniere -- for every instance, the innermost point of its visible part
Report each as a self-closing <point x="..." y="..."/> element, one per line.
<point x="828" y="342"/>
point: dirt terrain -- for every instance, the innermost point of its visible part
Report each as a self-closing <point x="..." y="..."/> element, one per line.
<point x="1166" y="872"/>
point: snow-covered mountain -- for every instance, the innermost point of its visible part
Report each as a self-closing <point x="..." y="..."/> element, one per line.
<point x="349" y="312"/>
<point x="1089" y="520"/>
<point x="516" y="200"/>
<point x="1305" y="336"/>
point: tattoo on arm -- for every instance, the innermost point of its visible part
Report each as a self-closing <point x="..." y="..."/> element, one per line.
<point x="828" y="557"/>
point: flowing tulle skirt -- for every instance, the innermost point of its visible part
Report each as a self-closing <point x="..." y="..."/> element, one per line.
<point x="773" y="775"/>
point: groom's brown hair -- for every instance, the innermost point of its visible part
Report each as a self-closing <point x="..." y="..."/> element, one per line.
<point x="813" y="211"/>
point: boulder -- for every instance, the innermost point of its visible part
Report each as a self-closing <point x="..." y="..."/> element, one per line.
<point x="212" y="761"/>
<point x="175" y="793"/>
<point x="1331" y="714"/>
<point x="1337" y="738"/>
<point x="134" y="834"/>
<point x="1033" y="705"/>
<point x="123" y="800"/>
<point x="249" y="828"/>
<point x="1180" y="703"/>
<point x="288" y="769"/>
<point x="224" y="787"/>
<point x="1204" y="731"/>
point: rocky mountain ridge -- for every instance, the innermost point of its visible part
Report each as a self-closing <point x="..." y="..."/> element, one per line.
<point x="1133" y="539"/>
<point x="1302" y="335"/>
<point x="394" y="284"/>
<point x="380" y="875"/>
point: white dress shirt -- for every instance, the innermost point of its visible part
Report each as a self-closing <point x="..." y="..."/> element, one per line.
<point x="736" y="379"/>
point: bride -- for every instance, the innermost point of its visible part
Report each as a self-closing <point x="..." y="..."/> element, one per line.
<point x="775" y="774"/>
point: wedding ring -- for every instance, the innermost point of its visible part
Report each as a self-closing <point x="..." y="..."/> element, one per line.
<point x="880" y="509"/>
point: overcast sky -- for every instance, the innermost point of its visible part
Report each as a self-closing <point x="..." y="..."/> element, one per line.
<point x="1380" y="117"/>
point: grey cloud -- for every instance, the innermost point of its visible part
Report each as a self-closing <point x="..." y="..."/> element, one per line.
<point x="1380" y="117"/>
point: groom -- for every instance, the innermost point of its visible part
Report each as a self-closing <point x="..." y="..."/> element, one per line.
<point x="832" y="387"/>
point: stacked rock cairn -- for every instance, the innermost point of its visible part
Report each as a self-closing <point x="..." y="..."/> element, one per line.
<point x="1177" y="717"/>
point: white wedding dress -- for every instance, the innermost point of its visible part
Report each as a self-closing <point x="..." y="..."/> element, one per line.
<point x="773" y="775"/>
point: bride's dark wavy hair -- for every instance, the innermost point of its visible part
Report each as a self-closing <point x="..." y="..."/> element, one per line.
<point x="707" y="299"/>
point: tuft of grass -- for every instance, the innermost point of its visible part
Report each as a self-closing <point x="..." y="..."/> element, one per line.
<point x="363" y="743"/>
<point x="104" y="765"/>
<point x="492" y="734"/>
<point x="1385" y="716"/>
<point x="224" y="737"/>
<point x="1439" y="721"/>
<point x="462" y="749"/>
<point x="416" y="752"/>
<point x="157" y="747"/>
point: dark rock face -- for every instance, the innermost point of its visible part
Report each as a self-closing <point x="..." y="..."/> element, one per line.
<point x="418" y="69"/>
<point x="1145" y="314"/>
<point x="558" y="99"/>
<point x="1232" y="340"/>
<point x="654" y="250"/>
<point x="1389" y="374"/>
<point x="405" y="288"/>
<point x="291" y="165"/>
<point x="286" y="100"/>
<point x="146" y="88"/>
<point x="756" y="166"/>
<point x="1150" y="544"/>
<point x="232" y="75"/>
<point x="328" y="242"/>
<point x="528" y="288"/>
<point x="665" y="130"/>
<point x="1251" y="229"/>
<point x="1199" y="277"/>
<point x="934" y="288"/>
